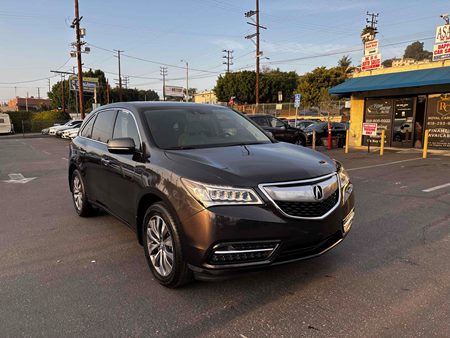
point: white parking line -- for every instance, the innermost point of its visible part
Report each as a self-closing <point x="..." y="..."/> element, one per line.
<point x="63" y="158"/>
<point x="384" y="164"/>
<point x="437" y="187"/>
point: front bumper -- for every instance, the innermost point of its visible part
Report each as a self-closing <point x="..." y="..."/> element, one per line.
<point x="292" y="239"/>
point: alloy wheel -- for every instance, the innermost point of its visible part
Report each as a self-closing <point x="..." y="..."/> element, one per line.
<point x="77" y="192"/>
<point x="160" y="245"/>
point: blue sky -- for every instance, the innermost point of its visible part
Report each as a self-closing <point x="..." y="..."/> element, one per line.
<point x="35" y="36"/>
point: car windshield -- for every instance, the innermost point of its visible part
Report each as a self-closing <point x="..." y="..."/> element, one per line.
<point x="201" y="127"/>
<point x="316" y="126"/>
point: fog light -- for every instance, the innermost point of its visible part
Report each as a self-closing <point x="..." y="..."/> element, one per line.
<point x="239" y="253"/>
<point x="348" y="220"/>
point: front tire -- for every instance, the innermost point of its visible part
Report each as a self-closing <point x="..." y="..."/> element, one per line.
<point x="80" y="201"/>
<point x="162" y="247"/>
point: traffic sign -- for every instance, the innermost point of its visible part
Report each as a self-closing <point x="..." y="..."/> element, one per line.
<point x="297" y="99"/>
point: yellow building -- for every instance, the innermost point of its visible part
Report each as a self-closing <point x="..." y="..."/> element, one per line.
<point x="206" y="96"/>
<point x="404" y="101"/>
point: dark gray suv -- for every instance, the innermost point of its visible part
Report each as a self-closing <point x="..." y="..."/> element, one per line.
<point x="207" y="192"/>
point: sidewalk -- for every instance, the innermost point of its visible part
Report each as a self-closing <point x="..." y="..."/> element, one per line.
<point x="19" y="135"/>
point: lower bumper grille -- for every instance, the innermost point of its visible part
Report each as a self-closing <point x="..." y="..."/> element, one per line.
<point x="309" y="209"/>
<point x="293" y="252"/>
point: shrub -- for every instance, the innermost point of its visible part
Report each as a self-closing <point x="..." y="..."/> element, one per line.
<point x="25" y="122"/>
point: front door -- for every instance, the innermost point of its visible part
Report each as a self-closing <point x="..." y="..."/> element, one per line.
<point x="403" y="124"/>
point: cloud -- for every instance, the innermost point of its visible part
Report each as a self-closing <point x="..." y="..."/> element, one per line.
<point x="229" y="44"/>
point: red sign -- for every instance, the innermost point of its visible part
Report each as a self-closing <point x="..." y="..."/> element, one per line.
<point x="371" y="62"/>
<point x="441" y="51"/>
<point x="370" y="129"/>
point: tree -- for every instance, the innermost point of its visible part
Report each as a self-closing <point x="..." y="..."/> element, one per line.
<point x="415" y="51"/>
<point x="314" y="85"/>
<point x="345" y="64"/>
<point x="242" y="86"/>
<point x="367" y="30"/>
<point x="133" y="94"/>
<point x="387" y="62"/>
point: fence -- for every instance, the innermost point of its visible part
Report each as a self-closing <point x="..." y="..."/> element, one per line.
<point x="287" y="110"/>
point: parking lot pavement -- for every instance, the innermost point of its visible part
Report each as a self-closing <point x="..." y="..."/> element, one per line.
<point x="61" y="275"/>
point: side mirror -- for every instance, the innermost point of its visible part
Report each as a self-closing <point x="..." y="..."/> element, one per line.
<point x="123" y="145"/>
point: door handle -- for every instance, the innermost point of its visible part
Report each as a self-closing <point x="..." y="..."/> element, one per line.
<point x="105" y="162"/>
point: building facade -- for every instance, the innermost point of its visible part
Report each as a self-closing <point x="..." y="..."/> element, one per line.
<point x="207" y="96"/>
<point x="403" y="101"/>
<point x="30" y="103"/>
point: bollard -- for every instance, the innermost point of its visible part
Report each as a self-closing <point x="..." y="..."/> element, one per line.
<point x="329" y="136"/>
<point x="425" y="144"/>
<point x="382" y="143"/>
<point x="347" y="133"/>
<point x="314" y="139"/>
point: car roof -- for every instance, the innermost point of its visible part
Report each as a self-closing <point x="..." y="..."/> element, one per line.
<point x="145" y="105"/>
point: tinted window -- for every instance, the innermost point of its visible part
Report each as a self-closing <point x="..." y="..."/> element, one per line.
<point x="103" y="126"/>
<point x="126" y="127"/>
<point x="201" y="127"/>
<point x="87" y="129"/>
<point x="276" y="123"/>
<point x="262" y="121"/>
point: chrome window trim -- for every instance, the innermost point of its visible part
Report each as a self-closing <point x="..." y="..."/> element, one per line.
<point x="321" y="178"/>
<point x="118" y="109"/>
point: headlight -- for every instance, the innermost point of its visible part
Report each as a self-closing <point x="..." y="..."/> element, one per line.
<point x="347" y="187"/>
<point x="210" y="195"/>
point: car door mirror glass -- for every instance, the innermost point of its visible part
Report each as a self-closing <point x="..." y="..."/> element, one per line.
<point x="124" y="145"/>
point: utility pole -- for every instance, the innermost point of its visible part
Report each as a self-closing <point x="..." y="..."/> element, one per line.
<point x="163" y="72"/>
<point x="79" y="43"/>
<point x="107" y="91"/>
<point x="26" y="102"/>
<point x="371" y="23"/>
<point x="49" y="89"/>
<point x="187" y="80"/>
<point x="256" y="35"/>
<point x="228" y="57"/>
<point x="120" y="75"/>
<point x="63" y="101"/>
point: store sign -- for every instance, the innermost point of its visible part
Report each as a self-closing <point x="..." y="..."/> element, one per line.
<point x="371" y="62"/>
<point x="442" y="34"/>
<point x="441" y="51"/>
<point x="174" y="91"/>
<point x="371" y="48"/>
<point x="89" y="84"/>
<point x="369" y="129"/>
<point x="438" y="121"/>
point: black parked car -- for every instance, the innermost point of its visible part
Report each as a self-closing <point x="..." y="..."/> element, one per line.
<point x="281" y="130"/>
<point x="338" y="130"/>
<point x="208" y="193"/>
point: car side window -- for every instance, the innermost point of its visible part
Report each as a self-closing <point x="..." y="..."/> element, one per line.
<point x="275" y="123"/>
<point x="103" y="126"/>
<point x="87" y="129"/>
<point x="261" y="121"/>
<point x="126" y="127"/>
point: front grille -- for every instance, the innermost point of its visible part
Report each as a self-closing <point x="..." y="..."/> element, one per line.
<point x="309" y="209"/>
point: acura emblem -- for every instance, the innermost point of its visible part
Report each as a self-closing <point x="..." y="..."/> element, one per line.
<point x="318" y="192"/>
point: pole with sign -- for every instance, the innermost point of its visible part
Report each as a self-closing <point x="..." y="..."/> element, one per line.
<point x="369" y="129"/>
<point x="297" y="98"/>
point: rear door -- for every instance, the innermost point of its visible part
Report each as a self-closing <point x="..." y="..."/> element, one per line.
<point x="100" y="173"/>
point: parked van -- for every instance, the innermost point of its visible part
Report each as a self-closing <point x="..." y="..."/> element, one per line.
<point x="5" y="124"/>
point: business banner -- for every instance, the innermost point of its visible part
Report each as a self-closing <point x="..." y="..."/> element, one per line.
<point x="174" y="91"/>
<point x="371" y="48"/>
<point x="438" y="121"/>
<point x="89" y="84"/>
<point x="371" y="62"/>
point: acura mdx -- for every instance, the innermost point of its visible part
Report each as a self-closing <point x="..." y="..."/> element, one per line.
<point x="207" y="191"/>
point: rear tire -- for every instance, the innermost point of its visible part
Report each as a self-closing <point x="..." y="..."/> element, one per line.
<point x="80" y="201"/>
<point x="162" y="247"/>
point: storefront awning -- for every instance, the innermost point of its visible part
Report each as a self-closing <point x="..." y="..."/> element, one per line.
<point x="414" y="78"/>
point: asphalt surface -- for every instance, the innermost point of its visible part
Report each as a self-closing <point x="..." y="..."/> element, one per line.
<point x="61" y="275"/>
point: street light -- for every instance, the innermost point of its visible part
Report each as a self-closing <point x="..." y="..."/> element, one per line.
<point x="187" y="79"/>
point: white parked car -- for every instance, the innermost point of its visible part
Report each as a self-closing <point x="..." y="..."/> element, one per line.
<point x="6" y="126"/>
<point x="54" y="129"/>
<point x="70" y="133"/>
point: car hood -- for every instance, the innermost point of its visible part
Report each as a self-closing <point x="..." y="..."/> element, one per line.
<point x="251" y="164"/>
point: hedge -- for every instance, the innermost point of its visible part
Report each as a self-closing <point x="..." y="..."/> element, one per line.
<point x="26" y="122"/>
